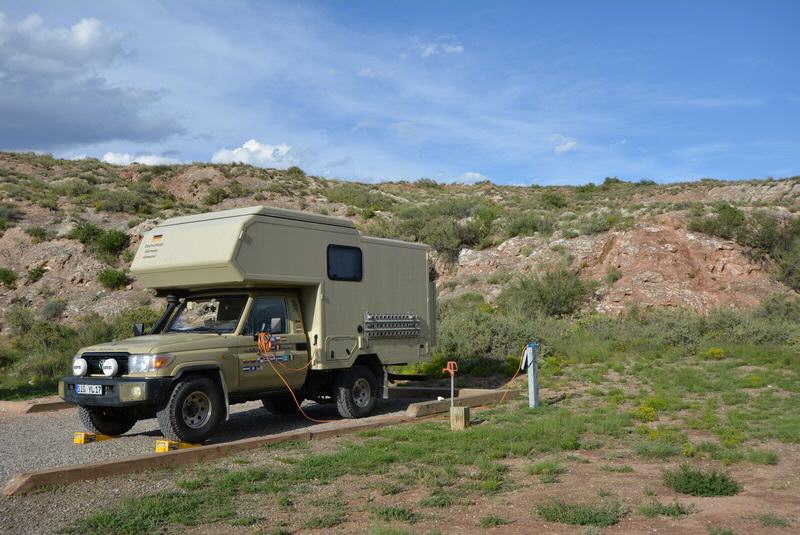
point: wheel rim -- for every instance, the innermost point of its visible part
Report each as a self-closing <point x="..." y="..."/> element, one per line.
<point x="362" y="392"/>
<point x="196" y="410"/>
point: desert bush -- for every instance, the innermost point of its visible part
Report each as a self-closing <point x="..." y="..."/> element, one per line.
<point x="215" y="195"/>
<point x="111" y="242"/>
<point x="553" y="199"/>
<point x="556" y="293"/>
<point x="10" y="213"/>
<point x="39" y="234"/>
<point x="122" y="200"/>
<point x="112" y="279"/>
<point x="85" y="232"/>
<point x="8" y="278"/>
<point x="53" y="309"/>
<point x="528" y="224"/>
<point x="104" y="242"/>
<point x="358" y="195"/>
<point x="36" y="273"/>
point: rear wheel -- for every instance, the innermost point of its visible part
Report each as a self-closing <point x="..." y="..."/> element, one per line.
<point x="106" y="420"/>
<point x="193" y="411"/>
<point x="356" y="392"/>
<point x="281" y="406"/>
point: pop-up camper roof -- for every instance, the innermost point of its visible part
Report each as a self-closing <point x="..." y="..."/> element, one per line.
<point x="244" y="246"/>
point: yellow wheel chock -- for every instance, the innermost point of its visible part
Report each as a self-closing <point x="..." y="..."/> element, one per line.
<point x="81" y="437"/>
<point x="163" y="445"/>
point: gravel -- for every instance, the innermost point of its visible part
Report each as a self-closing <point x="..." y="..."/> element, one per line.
<point x="38" y="441"/>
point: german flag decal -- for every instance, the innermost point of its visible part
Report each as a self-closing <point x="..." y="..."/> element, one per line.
<point x="157" y="237"/>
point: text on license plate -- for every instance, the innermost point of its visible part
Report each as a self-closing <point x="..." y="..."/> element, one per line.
<point x="95" y="390"/>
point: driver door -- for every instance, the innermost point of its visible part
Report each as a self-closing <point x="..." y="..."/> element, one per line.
<point x="260" y="372"/>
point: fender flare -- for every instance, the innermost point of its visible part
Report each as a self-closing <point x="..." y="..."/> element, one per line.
<point x="216" y="372"/>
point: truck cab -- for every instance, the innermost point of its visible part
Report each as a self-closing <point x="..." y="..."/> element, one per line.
<point x="248" y="328"/>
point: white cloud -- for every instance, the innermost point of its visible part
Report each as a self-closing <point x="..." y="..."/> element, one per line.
<point x="255" y="153"/>
<point x="117" y="158"/>
<point x="471" y="177"/>
<point x="562" y="143"/>
<point x="440" y="46"/>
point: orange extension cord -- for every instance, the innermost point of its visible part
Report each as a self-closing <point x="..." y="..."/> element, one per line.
<point x="516" y="373"/>
<point x="264" y="347"/>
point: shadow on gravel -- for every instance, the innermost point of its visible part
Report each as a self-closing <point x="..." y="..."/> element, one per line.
<point x="258" y="422"/>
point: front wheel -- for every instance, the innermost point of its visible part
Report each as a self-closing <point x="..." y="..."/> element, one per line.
<point x="106" y="420"/>
<point x="193" y="411"/>
<point x="355" y="392"/>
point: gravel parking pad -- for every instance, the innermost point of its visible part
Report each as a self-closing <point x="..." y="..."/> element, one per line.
<point x="38" y="441"/>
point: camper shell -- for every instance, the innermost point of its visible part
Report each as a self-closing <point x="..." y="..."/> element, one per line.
<point x="296" y="305"/>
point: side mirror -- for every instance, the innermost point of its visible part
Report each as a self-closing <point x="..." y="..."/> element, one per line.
<point x="138" y="329"/>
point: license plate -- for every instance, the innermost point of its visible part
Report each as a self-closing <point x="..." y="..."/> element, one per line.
<point x="94" y="390"/>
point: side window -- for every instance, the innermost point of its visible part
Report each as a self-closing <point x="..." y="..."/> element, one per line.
<point x="344" y="263"/>
<point x="269" y="312"/>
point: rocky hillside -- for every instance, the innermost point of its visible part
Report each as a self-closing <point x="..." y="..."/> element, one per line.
<point x="69" y="229"/>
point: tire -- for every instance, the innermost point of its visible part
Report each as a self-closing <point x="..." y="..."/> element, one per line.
<point x="356" y="392"/>
<point x="194" y="410"/>
<point x="106" y="420"/>
<point x="281" y="406"/>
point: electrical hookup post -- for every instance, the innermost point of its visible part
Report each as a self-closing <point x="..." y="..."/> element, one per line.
<point x="530" y="362"/>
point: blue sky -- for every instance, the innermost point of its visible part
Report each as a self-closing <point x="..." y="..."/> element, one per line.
<point x="517" y="92"/>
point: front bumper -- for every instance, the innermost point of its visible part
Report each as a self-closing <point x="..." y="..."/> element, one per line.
<point x="117" y="391"/>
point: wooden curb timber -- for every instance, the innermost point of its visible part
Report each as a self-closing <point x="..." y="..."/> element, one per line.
<point x="483" y="397"/>
<point x="30" y="407"/>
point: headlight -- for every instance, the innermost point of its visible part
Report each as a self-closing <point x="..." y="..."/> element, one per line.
<point x="110" y="367"/>
<point x="79" y="367"/>
<point x="148" y="363"/>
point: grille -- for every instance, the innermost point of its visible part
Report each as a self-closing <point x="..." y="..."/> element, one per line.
<point x="95" y="362"/>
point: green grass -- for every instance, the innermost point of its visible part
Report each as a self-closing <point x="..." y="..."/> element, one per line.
<point x="720" y="531"/>
<point x="392" y="513"/>
<point x="492" y="521"/>
<point x="388" y="530"/>
<point x="697" y="482"/>
<point x="326" y="520"/>
<point x="245" y="521"/>
<point x="617" y="468"/>
<point x="674" y="510"/>
<point x="761" y="456"/>
<point x="548" y="471"/>
<point x="770" y="520"/>
<point x="148" y="514"/>
<point x="603" y="514"/>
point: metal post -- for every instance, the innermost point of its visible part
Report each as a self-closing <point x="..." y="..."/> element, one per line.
<point x="531" y="357"/>
<point x="452" y="390"/>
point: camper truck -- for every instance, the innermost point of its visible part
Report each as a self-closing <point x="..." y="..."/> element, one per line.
<point x="261" y="304"/>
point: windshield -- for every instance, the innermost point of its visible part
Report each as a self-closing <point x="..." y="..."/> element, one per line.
<point x="208" y="314"/>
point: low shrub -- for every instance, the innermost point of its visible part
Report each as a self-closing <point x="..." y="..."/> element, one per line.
<point x="556" y="293"/>
<point x="656" y="508"/>
<point x="696" y="482"/>
<point x="215" y="195"/>
<point x="111" y="242"/>
<point x="112" y="279"/>
<point x="8" y="278"/>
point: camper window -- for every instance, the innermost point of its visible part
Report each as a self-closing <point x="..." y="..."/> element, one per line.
<point x="344" y="263"/>
<point x="269" y="312"/>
